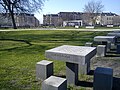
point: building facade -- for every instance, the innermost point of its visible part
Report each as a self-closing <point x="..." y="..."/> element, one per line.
<point x="108" y="19"/>
<point x="51" y="20"/>
<point x="21" y="20"/>
<point x="62" y="18"/>
<point x="58" y="19"/>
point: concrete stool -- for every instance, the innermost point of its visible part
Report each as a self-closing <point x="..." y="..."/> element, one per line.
<point x="108" y="45"/>
<point x="118" y="48"/>
<point x="103" y="79"/>
<point x="89" y="44"/>
<point x="44" y="69"/>
<point x="113" y="46"/>
<point x="101" y="50"/>
<point x="54" y="83"/>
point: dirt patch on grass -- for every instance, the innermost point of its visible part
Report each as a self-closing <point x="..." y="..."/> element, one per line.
<point x="112" y="62"/>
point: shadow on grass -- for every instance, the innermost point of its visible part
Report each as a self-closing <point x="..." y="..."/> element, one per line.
<point x="112" y="55"/>
<point x="80" y="83"/>
<point x="116" y="81"/>
<point x="91" y="72"/>
<point x="9" y="49"/>
<point x="25" y="41"/>
<point x="85" y="84"/>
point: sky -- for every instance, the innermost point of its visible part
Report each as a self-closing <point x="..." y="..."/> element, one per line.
<point x="56" y="6"/>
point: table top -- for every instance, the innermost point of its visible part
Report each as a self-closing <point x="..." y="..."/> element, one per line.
<point x="71" y="53"/>
<point x="105" y="38"/>
<point x="72" y="50"/>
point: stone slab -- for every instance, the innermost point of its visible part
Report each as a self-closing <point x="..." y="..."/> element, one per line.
<point x="103" y="78"/>
<point x="105" y="39"/>
<point x="54" y="83"/>
<point x="44" y="69"/>
<point x="72" y="54"/>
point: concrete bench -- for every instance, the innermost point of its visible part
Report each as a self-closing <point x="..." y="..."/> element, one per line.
<point x="54" y="83"/>
<point x="101" y="51"/>
<point x="44" y="69"/>
<point x="103" y="79"/>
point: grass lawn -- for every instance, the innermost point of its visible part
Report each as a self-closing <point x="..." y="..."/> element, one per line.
<point x="19" y="52"/>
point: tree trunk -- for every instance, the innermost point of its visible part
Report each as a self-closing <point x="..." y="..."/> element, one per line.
<point x="13" y="20"/>
<point x="11" y="11"/>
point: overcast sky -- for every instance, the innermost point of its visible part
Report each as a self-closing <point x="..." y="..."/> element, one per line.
<point x="56" y="6"/>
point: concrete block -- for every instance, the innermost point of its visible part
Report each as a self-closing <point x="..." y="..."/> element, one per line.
<point x="89" y="44"/>
<point x="54" y="83"/>
<point x="113" y="46"/>
<point x="118" y="48"/>
<point x="103" y="78"/>
<point x="72" y="73"/>
<point x="44" y="69"/>
<point x="101" y="50"/>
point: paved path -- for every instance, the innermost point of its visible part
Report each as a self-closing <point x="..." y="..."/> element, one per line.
<point x="60" y="29"/>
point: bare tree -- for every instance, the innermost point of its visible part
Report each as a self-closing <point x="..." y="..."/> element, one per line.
<point x="92" y="9"/>
<point x="18" y="6"/>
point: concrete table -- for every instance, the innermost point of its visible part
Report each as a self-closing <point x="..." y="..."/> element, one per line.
<point x="116" y="34"/>
<point x="107" y="40"/>
<point x="74" y="56"/>
<point x="116" y="31"/>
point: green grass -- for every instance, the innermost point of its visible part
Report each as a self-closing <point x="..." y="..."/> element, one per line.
<point x="19" y="52"/>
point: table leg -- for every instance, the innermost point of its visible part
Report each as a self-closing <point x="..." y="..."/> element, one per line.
<point x="72" y="73"/>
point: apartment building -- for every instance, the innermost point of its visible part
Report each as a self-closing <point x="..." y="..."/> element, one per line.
<point x="21" y="19"/>
<point x="62" y="18"/>
<point x="108" y="18"/>
<point x="58" y="19"/>
<point x="51" y="20"/>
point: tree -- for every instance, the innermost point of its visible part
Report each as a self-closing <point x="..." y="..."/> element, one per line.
<point x="20" y="6"/>
<point x="92" y="9"/>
